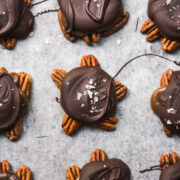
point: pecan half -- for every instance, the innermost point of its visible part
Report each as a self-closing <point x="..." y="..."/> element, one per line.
<point x="169" y="159"/>
<point x="57" y="76"/>
<point x="25" y="83"/>
<point x="16" y="131"/>
<point x="8" y="43"/>
<point x="151" y="29"/>
<point x="98" y="155"/>
<point x="72" y="172"/>
<point x="96" y="37"/>
<point x="169" y="45"/>
<point x="166" y="78"/>
<point x="108" y="124"/>
<point x="5" y="167"/>
<point x="117" y="26"/>
<point x="89" y="60"/>
<point x="121" y="90"/>
<point x="87" y="39"/>
<point x="24" y="173"/>
<point x="70" y="37"/>
<point x="69" y="125"/>
<point x="3" y="70"/>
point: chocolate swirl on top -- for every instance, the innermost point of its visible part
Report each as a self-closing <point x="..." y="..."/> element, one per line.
<point x="171" y="173"/>
<point x="112" y="169"/>
<point x="10" y="101"/>
<point x="166" y="104"/>
<point x="88" y="94"/>
<point x="166" y="16"/>
<point x="88" y="16"/>
<point x="16" y="19"/>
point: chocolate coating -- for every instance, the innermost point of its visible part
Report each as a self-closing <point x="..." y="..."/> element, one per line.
<point x="171" y="173"/>
<point x="8" y="176"/>
<point x="165" y="103"/>
<point x="82" y="17"/>
<point x="10" y="101"/>
<point x="88" y="94"/>
<point x="16" y="19"/>
<point x="112" y="169"/>
<point x="166" y="17"/>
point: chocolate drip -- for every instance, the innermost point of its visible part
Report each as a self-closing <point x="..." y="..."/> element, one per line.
<point x="82" y="17"/>
<point x="166" y="17"/>
<point x="88" y="94"/>
<point x="166" y="104"/>
<point x="171" y="173"/>
<point x="10" y="102"/>
<point x="112" y="169"/>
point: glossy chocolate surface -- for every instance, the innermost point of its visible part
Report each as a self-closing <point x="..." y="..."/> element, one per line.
<point x="88" y="94"/>
<point x="88" y="16"/>
<point x="165" y="103"/>
<point x="166" y="16"/>
<point x="171" y="173"/>
<point x="10" y="101"/>
<point x="16" y="19"/>
<point x="111" y="169"/>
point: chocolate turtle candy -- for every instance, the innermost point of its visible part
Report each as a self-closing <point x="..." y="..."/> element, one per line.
<point x="111" y="169"/>
<point x="16" y="19"/>
<point x="165" y="103"/>
<point x="10" y="101"/>
<point x="166" y="16"/>
<point x="88" y="94"/>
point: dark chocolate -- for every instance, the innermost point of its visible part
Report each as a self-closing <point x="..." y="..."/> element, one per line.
<point x="16" y="19"/>
<point x="10" y="101"/>
<point x="165" y="103"/>
<point x="8" y="176"/>
<point x="111" y="169"/>
<point x="171" y="173"/>
<point x="166" y="16"/>
<point x="88" y="94"/>
<point x="81" y="17"/>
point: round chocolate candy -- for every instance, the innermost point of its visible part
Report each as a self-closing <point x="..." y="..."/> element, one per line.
<point x="111" y="169"/>
<point x="166" y="16"/>
<point x="88" y="94"/>
<point x="10" y="101"/>
<point x="16" y="19"/>
<point x="171" y="173"/>
<point x="82" y="17"/>
<point x="165" y="103"/>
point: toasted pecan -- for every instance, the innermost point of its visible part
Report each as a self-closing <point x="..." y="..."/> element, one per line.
<point x="27" y="2"/>
<point x="5" y="167"/>
<point x="89" y="60"/>
<point x="96" y="37"/>
<point x="169" y="45"/>
<point x="121" y="90"/>
<point x="98" y="155"/>
<point x="24" y="173"/>
<point x="166" y="78"/>
<point x="72" y="172"/>
<point x="169" y="159"/>
<point x="57" y="76"/>
<point x="3" y="70"/>
<point x="108" y="124"/>
<point x="69" y="125"/>
<point x="8" y="43"/>
<point x="16" y="131"/>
